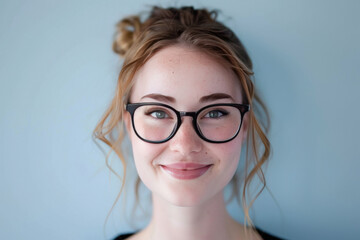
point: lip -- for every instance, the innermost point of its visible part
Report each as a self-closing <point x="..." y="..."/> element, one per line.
<point x="186" y="171"/>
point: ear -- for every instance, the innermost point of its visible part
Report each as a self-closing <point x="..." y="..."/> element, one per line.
<point x="127" y="122"/>
<point x="245" y="127"/>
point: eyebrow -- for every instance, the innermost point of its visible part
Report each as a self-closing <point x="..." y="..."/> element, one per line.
<point x="216" y="96"/>
<point x="159" y="97"/>
<point x="207" y="98"/>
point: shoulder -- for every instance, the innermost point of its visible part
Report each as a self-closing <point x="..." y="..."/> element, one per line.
<point x="124" y="236"/>
<point x="264" y="235"/>
<point x="267" y="236"/>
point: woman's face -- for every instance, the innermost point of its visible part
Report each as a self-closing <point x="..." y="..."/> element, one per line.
<point x="186" y="170"/>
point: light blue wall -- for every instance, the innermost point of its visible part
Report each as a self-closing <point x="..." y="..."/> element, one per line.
<point x="57" y="75"/>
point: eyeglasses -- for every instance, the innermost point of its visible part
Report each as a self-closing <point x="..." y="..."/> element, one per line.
<point x="215" y="123"/>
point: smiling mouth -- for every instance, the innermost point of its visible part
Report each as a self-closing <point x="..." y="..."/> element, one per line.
<point x="186" y="171"/>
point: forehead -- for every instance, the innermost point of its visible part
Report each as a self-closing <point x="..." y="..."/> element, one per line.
<point x="185" y="74"/>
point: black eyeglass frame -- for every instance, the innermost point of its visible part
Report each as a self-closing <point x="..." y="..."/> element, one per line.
<point x="131" y="108"/>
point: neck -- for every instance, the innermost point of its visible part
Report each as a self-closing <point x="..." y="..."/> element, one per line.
<point x="209" y="220"/>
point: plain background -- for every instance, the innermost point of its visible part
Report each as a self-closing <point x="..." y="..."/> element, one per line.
<point x="58" y="74"/>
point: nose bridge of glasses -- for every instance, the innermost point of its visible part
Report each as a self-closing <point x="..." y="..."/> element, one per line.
<point x="189" y="114"/>
<point x="191" y="123"/>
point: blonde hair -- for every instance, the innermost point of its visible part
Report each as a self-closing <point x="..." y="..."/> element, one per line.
<point x="138" y="41"/>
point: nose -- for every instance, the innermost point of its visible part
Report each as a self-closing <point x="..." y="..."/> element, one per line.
<point x="186" y="140"/>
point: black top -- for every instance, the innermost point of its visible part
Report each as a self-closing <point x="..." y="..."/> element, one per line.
<point x="264" y="236"/>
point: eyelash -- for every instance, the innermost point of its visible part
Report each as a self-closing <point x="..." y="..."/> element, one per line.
<point x="150" y="112"/>
<point x="222" y="112"/>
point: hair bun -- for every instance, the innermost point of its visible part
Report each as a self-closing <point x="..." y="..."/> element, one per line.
<point x="127" y="30"/>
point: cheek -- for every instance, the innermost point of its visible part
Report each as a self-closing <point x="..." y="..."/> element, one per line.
<point x="229" y="156"/>
<point x="145" y="155"/>
<point x="143" y="152"/>
<point x="231" y="151"/>
<point x="234" y="147"/>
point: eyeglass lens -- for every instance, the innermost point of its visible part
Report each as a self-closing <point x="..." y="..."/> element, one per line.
<point x="216" y="123"/>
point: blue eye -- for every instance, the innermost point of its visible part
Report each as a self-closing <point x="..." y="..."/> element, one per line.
<point x="215" y="114"/>
<point x="159" y="114"/>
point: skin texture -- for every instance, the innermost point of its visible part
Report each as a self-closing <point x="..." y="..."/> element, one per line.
<point x="187" y="209"/>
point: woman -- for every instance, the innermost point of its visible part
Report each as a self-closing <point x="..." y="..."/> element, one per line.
<point x="187" y="101"/>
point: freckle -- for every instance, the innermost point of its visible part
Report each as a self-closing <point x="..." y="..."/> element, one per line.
<point x="205" y="153"/>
